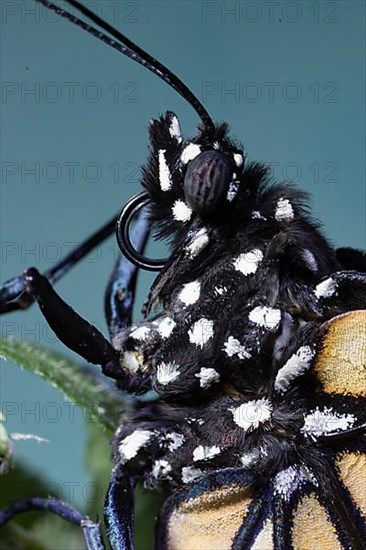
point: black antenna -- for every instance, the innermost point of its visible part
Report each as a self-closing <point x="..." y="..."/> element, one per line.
<point x="128" y="48"/>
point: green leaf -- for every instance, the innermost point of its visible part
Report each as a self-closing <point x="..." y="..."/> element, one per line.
<point x="148" y="505"/>
<point x="82" y="385"/>
<point x="99" y="464"/>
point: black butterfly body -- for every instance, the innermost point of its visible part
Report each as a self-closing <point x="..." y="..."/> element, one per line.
<point x="232" y="353"/>
<point x="251" y="356"/>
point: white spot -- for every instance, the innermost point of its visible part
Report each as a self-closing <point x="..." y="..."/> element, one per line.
<point x="165" y="326"/>
<point x="322" y="422"/>
<point x="189" y="474"/>
<point x="289" y="480"/>
<point x="130" y="361"/>
<point x="266" y="317"/>
<point x="248" y="459"/>
<point x="174" y="129"/>
<point x="190" y="152"/>
<point x="256" y="215"/>
<point x="140" y="333"/>
<point x="167" y="372"/>
<point x="181" y="211"/>
<point x="238" y="159"/>
<point x="326" y="288"/>
<point x="220" y="290"/>
<point x="234" y="347"/>
<point x="216" y="145"/>
<point x="201" y="332"/>
<point x="249" y="415"/>
<point x="310" y="260"/>
<point x="207" y="376"/>
<point x="175" y="439"/>
<point x="298" y="363"/>
<point x="199" y="242"/>
<point x="232" y="191"/>
<point x="134" y="442"/>
<point x="190" y="293"/>
<point x="205" y="453"/>
<point x="161" y="469"/>
<point x="248" y="262"/>
<point x="284" y="211"/>
<point x="165" y="176"/>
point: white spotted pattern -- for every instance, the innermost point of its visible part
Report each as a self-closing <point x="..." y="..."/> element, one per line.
<point x="326" y="288"/>
<point x="165" y="176"/>
<point x="189" y="474"/>
<point x="201" y="332"/>
<point x="181" y="211"/>
<point x="174" y="129"/>
<point x="284" y="211"/>
<point x="289" y="480"/>
<point x="165" y="326"/>
<point x="248" y="459"/>
<point x="248" y="262"/>
<point x="233" y="347"/>
<point x="205" y="453"/>
<point x="190" y="152"/>
<point x="140" y="333"/>
<point x="238" y="159"/>
<point x="190" y="293"/>
<point x="266" y="317"/>
<point x="175" y="440"/>
<point x="199" y="242"/>
<point x="322" y="422"/>
<point x="256" y="215"/>
<point x="232" y="191"/>
<point x="298" y="363"/>
<point x="251" y="414"/>
<point x="161" y="469"/>
<point x="207" y="377"/>
<point x="132" y="443"/>
<point x="167" y="372"/>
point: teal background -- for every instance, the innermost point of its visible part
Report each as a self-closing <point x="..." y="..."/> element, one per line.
<point x="313" y="48"/>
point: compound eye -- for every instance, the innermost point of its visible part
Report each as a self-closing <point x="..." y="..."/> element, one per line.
<point x="206" y="181"/>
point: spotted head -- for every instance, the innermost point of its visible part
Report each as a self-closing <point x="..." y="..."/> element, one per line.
<point x="190" y="181"/>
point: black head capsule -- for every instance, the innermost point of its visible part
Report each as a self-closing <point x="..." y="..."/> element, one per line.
<point x="206" y="181"/>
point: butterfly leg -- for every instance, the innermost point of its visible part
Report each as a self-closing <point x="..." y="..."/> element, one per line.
<point x="91" y="530"/>
<point x="119" y="510"/>
<point x="74" y="331"/>
<point x="120" y="293"/>
<point x="13" y="294"/>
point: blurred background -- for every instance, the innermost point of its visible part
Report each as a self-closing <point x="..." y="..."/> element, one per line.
<point x="289" y="77"/>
